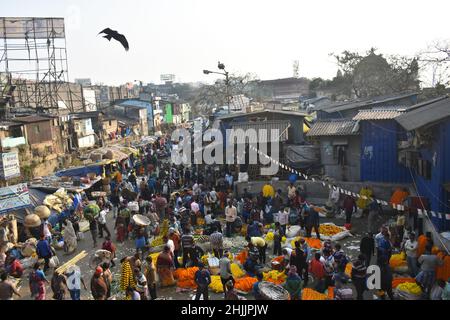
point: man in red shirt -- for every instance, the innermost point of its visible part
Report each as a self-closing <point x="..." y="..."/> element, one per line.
<point x="317" y="269"/>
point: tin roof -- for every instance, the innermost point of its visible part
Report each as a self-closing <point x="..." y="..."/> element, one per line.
<point x="31" y="119"/>
<point x="262" y="113"/>
<point x="425" y="114"/>
<point x="333" y="128"/>
<point x="378" y="114"/>
<point x="348" y="105"/>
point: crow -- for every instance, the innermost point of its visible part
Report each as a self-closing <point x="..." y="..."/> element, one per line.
<point x="112" y="34"/>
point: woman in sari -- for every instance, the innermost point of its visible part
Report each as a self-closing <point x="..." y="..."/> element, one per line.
<point x="70" y="237"/>
<point x="164" y="267"/>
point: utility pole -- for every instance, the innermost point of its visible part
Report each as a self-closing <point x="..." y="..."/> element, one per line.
<point x="221" y="66"/>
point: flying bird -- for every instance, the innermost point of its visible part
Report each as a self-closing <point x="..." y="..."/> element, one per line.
<point x="112" y="34"/>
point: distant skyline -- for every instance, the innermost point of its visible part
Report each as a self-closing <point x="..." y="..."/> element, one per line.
<point x="183" y="37"/>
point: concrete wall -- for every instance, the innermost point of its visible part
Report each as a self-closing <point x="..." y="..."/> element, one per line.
<point x="350" y="172"/>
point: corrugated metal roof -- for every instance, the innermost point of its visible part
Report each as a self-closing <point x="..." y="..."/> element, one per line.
<point x="425" y="114"/>
<point x="348" y="105"/>
<point x="31" y="119"/>
<point x="135" y="103"/>
<point x="378" y="114"/>
<point x="333" y="128"/>
<point x="280" y="125"/>
<point x="262" y="113"/>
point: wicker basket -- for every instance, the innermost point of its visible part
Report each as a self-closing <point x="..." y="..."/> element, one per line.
<point x="271" y="291"/>
<point x="42" y="211"/>
<point x="32" y="221"/>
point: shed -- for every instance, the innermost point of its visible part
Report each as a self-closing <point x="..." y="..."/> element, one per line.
<point x="428" y="125"/>
<point x="380" y="134"/>
<point x="340" y="147"/>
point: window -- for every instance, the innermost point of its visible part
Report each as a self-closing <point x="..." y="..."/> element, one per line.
<point x="340" y="154"/>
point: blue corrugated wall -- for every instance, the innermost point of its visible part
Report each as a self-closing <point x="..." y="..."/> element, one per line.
<point x="433" y="189"/>
<point x="379" y="156"/>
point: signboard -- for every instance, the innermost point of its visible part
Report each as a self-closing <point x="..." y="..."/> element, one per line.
<point x="39" y="28"/>
<point x="167" y="77"/>
<point x="9" y="165"/>
<point x="14" y="198"/>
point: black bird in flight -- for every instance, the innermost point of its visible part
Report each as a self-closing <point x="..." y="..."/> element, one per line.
<point x="112" y="34"/>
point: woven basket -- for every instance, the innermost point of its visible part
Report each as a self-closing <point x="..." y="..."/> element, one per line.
<point x="42" y="211"/>
<point x="32" y="221"/>
<point x="271" y="291"/>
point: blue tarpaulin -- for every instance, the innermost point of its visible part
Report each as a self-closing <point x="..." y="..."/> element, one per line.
<point x="80" y="171"/>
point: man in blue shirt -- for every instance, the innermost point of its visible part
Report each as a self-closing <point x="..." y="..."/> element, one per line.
<point x="44" y="251"/>
<point x="202" y="279"/>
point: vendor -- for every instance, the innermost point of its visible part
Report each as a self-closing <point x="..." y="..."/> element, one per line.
<point x="260" y="244"/>
<point x="13" y="266"/>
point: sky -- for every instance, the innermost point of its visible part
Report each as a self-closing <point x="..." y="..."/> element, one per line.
<point x="183" y="37"/>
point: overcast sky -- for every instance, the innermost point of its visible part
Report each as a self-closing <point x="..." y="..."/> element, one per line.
<point x="184" y="37"/>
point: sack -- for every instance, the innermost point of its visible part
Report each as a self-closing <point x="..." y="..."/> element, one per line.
<point x="54" y="262"/>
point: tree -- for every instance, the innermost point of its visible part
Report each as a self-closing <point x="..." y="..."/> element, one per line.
<point x="215" y="95"/>
<point x="373" y="74"/>
<point x="435" y="61"/>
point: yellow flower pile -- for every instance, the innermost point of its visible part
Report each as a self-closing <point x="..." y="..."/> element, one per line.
<point x="237" y="271"/>
<point x="269" y="236"/>
<point x="204" y="259"/>
<point x="398" y="260"/>
<point x="412" y="288"/>
<point x="157" y="242"/>
<point x="154" y="257"/>
<point x="275" y="276"/>
<point x="216" y="284"/>
<point x="283" y="239"/>
<point x="329" y="230"/>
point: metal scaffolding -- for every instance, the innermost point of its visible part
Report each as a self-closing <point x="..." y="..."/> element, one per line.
<point x="34" y="68"/>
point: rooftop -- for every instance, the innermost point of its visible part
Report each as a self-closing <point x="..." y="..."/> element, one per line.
<point x="134" y="103"/>
<point x="263" y="113"/>
<point x="357" y="103"/>
<point x="31" y="119"/>
<point x="379" y="114"/>
<point x="333" y="128"/>
<point x="426" y="113"/>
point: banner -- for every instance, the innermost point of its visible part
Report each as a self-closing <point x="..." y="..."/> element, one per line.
<point x="9" y="165"/>
<point x="14" y="198"/>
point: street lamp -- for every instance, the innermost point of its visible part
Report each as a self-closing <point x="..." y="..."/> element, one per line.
<point x="221" y="66"/>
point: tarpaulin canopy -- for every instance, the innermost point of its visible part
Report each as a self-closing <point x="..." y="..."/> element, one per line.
<point x="81" y="171"/>
<point x="302" y="156"/>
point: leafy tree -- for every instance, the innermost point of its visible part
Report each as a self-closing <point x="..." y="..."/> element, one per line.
<point x="372" y="74"/>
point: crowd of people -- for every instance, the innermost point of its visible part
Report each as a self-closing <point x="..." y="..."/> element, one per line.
<point x="179" y="200"/>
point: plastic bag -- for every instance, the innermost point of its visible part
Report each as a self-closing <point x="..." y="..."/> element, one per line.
<point x="54" y="262"/>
